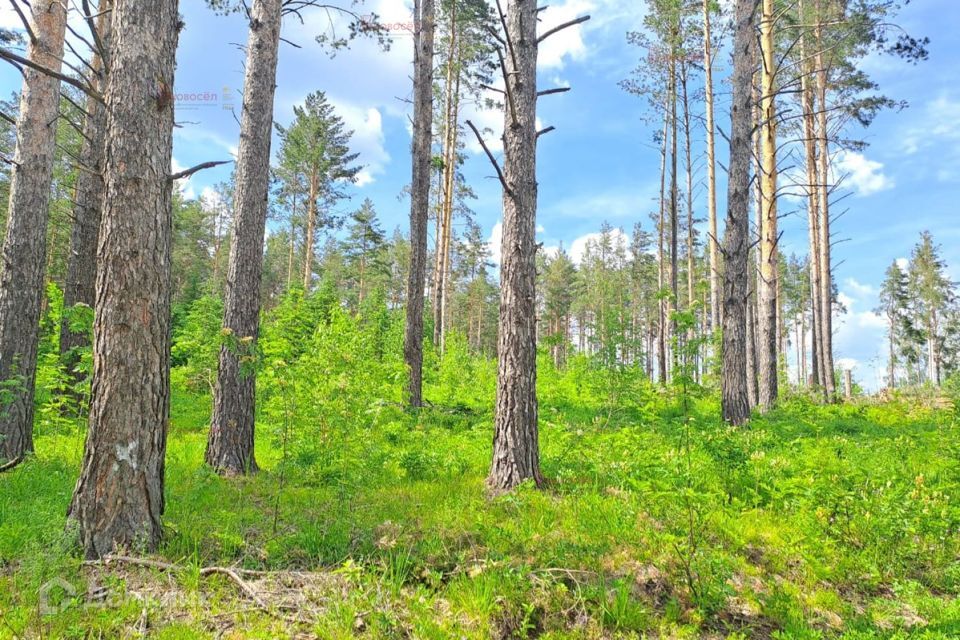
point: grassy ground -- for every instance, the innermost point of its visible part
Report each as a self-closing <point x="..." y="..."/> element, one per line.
<point x="812" y="523"/>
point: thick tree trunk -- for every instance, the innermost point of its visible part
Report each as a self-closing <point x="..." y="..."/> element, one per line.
<point x="230" y="444"/>
<point x="736" y="401"/>
<point x="419" y="197"/>
<point x="767" y="341"/>
<point x="119" y="496"/>
<point x="711" y="172"/>
<point x="25" y="244"/>
<point x="516" y="449"/>
<point x="80" y="284"/>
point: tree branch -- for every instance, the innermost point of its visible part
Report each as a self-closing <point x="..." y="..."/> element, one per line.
<point x="23" y="18"/>
<point x="563" y="26"/>
<point x="550" y="92"/>
<point x="186" y="173"/>
<point x="12" y="57"/>
<point x="493" y="161"/>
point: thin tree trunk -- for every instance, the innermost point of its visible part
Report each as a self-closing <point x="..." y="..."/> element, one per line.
<point x="661" y="256"/>
<point x="689" y="169"/>
<point x="753" y="389"/>
<point x="735" y="395"/>
<point x="446" y="301"/>
<point x="230" y="446"/>
<point x="826" y="276"/>
<point x="293" y="242"/>
<point x="81" y="279"/>
<point x="25" y="244"/>
<point x="516" y="449"/>
<point x="711" y="172"/>
<point x="674" y="197"/>
<point x="767" y="179"/>
<point x="419" y="197"/>
<point x="119" y="497"/>
<point x="310" y="238"/>
<point x="892" y="372"/>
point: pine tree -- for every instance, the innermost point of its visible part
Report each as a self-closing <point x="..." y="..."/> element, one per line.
<point x="119" y="498"/>
<point x="316" y="148"/>
<point x="25" y="239"/>
<point x="933" y="296"/>
<point x="894" y="304"/>
<point x="364" y="251"/>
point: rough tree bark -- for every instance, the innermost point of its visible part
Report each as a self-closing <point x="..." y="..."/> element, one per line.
<point x="736" y="402"/>
<point x="118" y="500"/>
<point x="769" y="262"/>
<point x="80" y="283"/>
<point x="230" y="445"/>
<point x="419" y="196"/>
<point x="516" y="449"/>
<point x="25" y="244"/>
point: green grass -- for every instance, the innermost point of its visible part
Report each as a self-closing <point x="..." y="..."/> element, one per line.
<point x="812" y="523"/>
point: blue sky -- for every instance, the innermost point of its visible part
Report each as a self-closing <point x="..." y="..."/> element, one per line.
<point x="600" y="163"/>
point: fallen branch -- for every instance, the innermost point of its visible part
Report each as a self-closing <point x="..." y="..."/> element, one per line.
<point x="167" y="566"/>
<point x="7" y="466"/>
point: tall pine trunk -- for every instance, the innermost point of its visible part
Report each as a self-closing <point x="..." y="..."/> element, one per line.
<point x="419" y="196"/>
<point x="516" y="449"/>
<point x="230" y="447"/>
<point x="826" y="277"/>
<point x="735" y="398"/>
<point x="661" y="255"/>
<point x="25" y="244"/>
<point x="119" y="498"/>
<point x="80" y="282"/>
<point x="767" y="338"/>
<point x="711" y="172"/>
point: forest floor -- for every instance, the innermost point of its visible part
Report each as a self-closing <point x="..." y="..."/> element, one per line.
<point x="812" y="523"/>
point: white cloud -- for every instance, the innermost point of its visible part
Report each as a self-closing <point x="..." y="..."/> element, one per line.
<point x="495" y="242"/>
<point x="865" y="176"/>
<point x="903" y="263"/>
<point x="564" y="44"/>
<point x="847" y="364"/>
<point x="578" y="248"/>
<point x="187" y="191"/>
<point x="9" y="18"/>
<point x="367" y="140"/>
<point x="633" y="203"/>
<point x="859" y="289"/>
